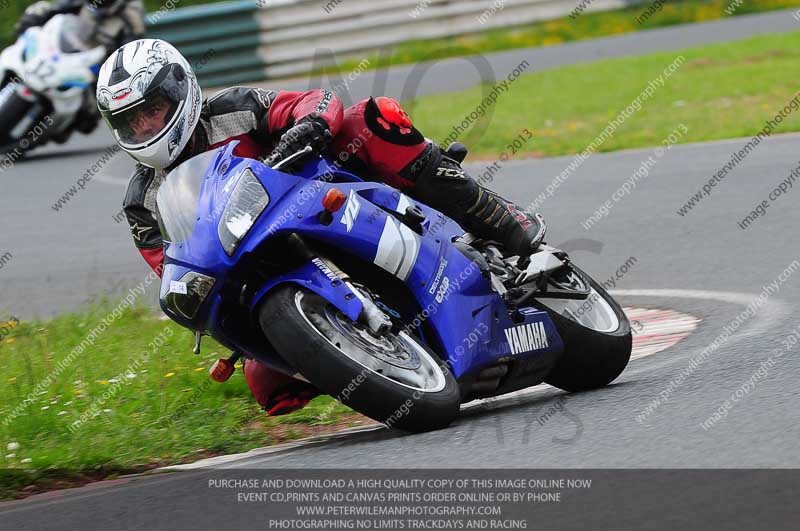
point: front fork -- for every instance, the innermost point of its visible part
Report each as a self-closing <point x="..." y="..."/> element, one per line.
<point x="321" y="275"/>
<point x="370" y="315"/>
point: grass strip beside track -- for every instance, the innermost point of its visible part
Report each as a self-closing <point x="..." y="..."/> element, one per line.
<point x="136" y="416"/>
<point x="558" y="31"/>
<point x="720" y="91"/>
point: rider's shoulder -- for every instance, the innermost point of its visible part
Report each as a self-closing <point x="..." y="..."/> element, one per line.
<point x="138" y="185"/>
<point x="141" y="172"/>
<point x="141" y="179"/>
<point x="234" y="99"/>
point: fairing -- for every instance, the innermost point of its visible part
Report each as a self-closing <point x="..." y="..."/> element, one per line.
<point x="469" y="320"/>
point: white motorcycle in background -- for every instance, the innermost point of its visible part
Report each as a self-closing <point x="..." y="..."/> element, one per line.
<point x="47" y="83"/>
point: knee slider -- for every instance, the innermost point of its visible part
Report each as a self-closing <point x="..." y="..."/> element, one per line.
<point x="387" y="119"/>
<point x="391" y="112"/>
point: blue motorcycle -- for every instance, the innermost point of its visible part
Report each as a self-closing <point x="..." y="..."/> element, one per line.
<point x="374" y="298"/>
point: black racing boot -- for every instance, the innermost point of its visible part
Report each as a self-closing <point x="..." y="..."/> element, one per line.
<point x="493" y="218"/>
<point x="88" y="116"/>
<point x="442" y="184"/>
<point x="86" y="121"/>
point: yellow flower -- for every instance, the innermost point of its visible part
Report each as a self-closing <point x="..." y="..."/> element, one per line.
<point x="199" y="369"/>
<point x="551" y="40"/>
<point x="103" y="382"/>
<point x="169" y="375"/>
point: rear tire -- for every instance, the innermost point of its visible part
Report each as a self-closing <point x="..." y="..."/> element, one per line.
<point x="591" y="358"/>
<point x="313" y="336"/>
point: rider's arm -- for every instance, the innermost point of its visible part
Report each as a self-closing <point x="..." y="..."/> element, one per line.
<point x="267" y="114"/>
<point x="133" y="17"/>
<point x="292" y="107"/>
<point x="139" y="206"/>
<point x="66" y="6"/>
<point x="40" y="12"/>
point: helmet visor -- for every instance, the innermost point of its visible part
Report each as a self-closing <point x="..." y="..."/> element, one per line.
<point x="146" y="121"/>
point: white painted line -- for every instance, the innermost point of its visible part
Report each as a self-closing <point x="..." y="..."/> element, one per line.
<point x="658" y="330"/>
<point x="732" y="297"/>
<point x="222" y="460"/>
<point x="671" y="326"/>
<point x="768" y="315"/>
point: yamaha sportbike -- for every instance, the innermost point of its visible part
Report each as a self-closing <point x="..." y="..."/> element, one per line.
<point x="47" y="85"/>
<point x="374" y="298"/>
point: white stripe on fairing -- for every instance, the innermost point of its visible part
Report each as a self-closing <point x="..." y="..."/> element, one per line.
<point x="412" y="244"/>
<point x="403" y="203"/>
<point x="398" y="249"/>
<point x="390" y="247"/>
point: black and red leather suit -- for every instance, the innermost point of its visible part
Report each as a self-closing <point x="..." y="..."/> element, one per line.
<point x="381" y="143"/>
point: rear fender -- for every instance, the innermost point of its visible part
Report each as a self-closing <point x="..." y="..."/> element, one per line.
<point x="315" y="275"/>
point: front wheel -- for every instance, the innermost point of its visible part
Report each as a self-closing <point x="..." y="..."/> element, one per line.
<point x="596" y="333"/>
<point x="392" y="378"/>
<point x="18" y="114"/>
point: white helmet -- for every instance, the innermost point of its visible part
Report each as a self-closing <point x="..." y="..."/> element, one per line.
<point x="149" y="97"/>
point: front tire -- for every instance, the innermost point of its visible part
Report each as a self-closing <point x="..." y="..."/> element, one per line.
<point x="13" y="109"/>
<point x="394" y="379"/>
<point x="597" y="347"/>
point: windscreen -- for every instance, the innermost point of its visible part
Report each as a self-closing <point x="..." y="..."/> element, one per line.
<point x="178" y="197"/>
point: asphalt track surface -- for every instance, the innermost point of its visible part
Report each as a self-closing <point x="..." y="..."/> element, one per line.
<point x="700" y="264"/>
<point x="63" y="259"/>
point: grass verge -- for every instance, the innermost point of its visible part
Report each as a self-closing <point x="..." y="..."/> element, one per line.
<point x="719" y="91"/>
<point x="566" y="29"/>
<point x="137" y="407"/>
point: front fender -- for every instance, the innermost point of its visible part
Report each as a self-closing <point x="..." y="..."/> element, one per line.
<point x="314" y="275"/>
<point x="11" y="59"/>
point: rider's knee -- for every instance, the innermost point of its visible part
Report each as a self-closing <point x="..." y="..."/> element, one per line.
<point x="379" y="132"/>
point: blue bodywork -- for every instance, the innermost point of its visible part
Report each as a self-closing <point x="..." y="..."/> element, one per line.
<point x="471" y="322"/>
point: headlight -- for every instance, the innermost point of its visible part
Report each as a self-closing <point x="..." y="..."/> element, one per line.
<point x="186" y="295"/>
<point x="247" y="202"/>
<point x="29" y="45"/>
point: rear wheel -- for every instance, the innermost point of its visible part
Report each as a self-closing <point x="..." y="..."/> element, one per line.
<point x="393" y="378"/>
<point x="596" y="333"/>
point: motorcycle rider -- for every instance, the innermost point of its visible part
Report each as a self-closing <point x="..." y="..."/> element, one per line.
<point x="148" y="95"/>
<point x="109" y="23"/>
